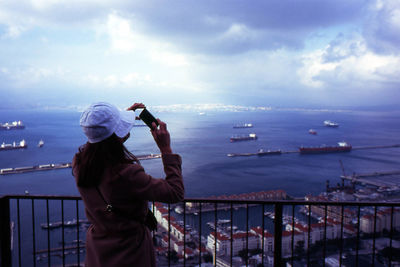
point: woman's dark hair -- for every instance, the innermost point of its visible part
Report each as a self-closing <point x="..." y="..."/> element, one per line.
<point x="94" y="158"/>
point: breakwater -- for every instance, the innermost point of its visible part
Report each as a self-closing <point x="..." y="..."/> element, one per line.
<point x="57" y="166"/>
<point x="279" y="152"/>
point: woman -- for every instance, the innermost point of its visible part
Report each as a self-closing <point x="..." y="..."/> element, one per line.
<point x="115" y="188"/>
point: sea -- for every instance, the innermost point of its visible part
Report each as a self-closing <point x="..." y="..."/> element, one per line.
<point x="203" y="141"/>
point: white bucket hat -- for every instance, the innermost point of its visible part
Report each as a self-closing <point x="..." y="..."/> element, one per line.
<point x="100" y="120"/>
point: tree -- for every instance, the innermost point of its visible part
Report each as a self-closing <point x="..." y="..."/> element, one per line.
<point x="207" y="257"/>
<point x="299" y="250"/>
<point x="244" y="254"/>
<point x="394" y="252"/>
<point x="173" y="256"/>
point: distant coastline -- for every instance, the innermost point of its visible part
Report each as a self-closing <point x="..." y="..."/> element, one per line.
<point x="219" y="107"/>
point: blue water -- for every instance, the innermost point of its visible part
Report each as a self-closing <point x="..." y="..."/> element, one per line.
<point x="203" y="142"/>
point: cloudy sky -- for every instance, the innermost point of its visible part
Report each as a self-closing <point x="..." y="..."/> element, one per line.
<point x="276" y="52"/>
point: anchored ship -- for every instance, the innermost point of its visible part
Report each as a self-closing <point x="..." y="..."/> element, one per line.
<point x="312" y="131"/>
<point x="341" y="147"/>
<point x="41" y="143"/>
<point x="247" y="137"/>
<point x="14" y="145"/>
<point x="262" y="152"/>
<point x="331" y="124"/>
<point x="12" y="125"/>
<point x="243" y="125"/>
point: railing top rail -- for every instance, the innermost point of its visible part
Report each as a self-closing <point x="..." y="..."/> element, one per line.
<point x="234" y="201"/>
<point x="44" y="197"/>
<point x="293" y="202"/>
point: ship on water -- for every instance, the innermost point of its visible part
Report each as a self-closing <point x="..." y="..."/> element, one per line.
<point x="41" y="143"/>
<point x="140" y="124"/>
<point x="12" y="125"/>
<point x="236" y="138"/>
<point x="312" y="131"/>
<point x="243" y="125"/>
<point x="341" y="147"/>
<point x="262" y="152"/>
<point x="332" y="124"/>
<point x="14" y="145"/>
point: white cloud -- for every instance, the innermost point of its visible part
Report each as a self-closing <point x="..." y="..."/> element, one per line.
<point x="45" y="4"/>
<point x="117" y="80"/>
<point x="120" y="32"/>
<point x="239" y="32"/>
<point x="169" y="58"/>
<point x="25" y="77"/>
<point x="14" y="31"/>
<point x="124" y="39"/>
<point x="313" y="65"/>
<point x="382" y="26"/>
<point x="348" y="67"/>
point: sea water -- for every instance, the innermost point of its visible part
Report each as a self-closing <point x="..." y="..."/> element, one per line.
<point x="203" y="142"/>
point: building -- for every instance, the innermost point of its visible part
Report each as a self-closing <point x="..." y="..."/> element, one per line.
<point x="268" y="239"/>
<point x="383" y="221"/>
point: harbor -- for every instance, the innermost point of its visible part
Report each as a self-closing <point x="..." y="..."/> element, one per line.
<point x="194" y="208"/>
<point x="386" y="183"/>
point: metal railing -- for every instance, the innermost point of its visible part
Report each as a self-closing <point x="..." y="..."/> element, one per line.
<point x="50" y="231"/>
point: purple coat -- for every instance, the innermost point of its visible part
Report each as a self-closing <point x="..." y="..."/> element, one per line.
<point x="116" y="239"/>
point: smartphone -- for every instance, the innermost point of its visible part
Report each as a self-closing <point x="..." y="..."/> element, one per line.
<point x="147" y="118"/>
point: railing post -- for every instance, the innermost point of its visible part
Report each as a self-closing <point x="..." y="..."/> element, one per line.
<point x="278" y="236"/>
<point x="5" y="232"/>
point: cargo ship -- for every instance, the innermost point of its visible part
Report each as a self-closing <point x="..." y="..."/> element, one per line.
<point x="41" y="143"/>
<point x="12" y="125"/>
<point x="247" y="137"/>
<point x="312" y="131"/>
<point x="341" y="147"/>
<point x="14" y="145"/>
<point x="243" y="125"/>
<point x="332" y="124"/>
<point x="241" y="154"/>
<point x="262" y="152"/>
<point x="148" y="156"/>
<point x="140" y="124"/>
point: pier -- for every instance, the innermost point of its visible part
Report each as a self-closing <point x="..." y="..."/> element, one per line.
<point x="58" y="166"/>
<point x="297" y="151"/>
<point x="387" y="181"/>
<point x="43" y="167"/>
<point x="57" y="249"/>
<point x="375" y="147"/>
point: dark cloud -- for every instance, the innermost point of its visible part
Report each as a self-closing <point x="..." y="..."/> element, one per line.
<point x="382" y="28"/>
<point x="198" y="24"/>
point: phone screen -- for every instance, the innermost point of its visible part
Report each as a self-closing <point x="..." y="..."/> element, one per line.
<point x="147" y="118"/>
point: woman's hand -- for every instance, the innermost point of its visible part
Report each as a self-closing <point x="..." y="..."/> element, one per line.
<point x="161" y="136"/>
<point x="136" y="106"/>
